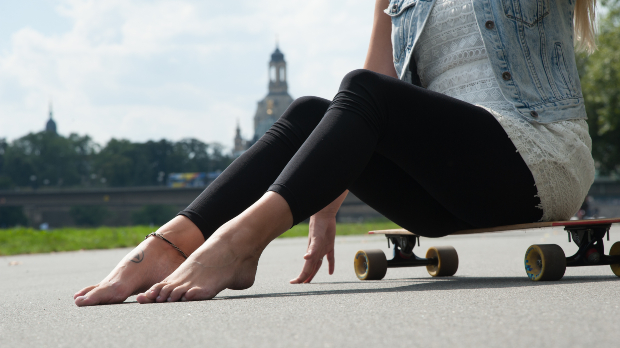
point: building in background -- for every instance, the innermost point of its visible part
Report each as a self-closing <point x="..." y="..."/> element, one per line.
<point x="240" y="144"/>
<point x="50" y="126"/>
<point x="271" y="107"/>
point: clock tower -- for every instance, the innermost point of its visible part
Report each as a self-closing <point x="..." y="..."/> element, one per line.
<point x="277" y="100"/>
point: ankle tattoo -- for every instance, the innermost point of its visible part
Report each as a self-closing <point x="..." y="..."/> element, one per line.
<point x="138" y="257"/>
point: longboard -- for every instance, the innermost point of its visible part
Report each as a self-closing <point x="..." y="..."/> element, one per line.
<point x="571" y="223"/>
<point x="542" y="261"/>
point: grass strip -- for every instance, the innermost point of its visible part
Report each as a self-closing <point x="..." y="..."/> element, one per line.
<point x="343" y="229"/>
<point x="31" y="241"/>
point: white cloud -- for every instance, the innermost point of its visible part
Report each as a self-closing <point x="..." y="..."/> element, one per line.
<point x="173" y="69"/>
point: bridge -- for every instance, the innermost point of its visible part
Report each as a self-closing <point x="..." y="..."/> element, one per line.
<point x="52" y="206"/>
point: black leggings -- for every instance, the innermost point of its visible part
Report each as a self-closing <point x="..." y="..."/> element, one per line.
<point x="430" y="163"/>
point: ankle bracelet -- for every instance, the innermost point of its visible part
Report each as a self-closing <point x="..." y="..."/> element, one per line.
<point x="167" y="241"/>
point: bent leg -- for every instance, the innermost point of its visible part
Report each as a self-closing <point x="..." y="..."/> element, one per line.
<point x="457" y="152"/>
<point x="237" y="188"/>
<point x="249" y="176"/>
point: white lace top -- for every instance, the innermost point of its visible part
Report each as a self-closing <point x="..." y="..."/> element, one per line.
<point x="452" y="59"/>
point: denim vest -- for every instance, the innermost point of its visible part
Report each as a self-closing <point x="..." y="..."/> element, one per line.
<point x="529" y="44"/>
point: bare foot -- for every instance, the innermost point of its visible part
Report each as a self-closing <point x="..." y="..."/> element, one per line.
<point x="228" y="259"/>
<point x="215" y="266"/>
<point x="147" y="264"/>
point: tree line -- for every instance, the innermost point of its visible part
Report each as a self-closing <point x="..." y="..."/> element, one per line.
<point x="46" y="159"/>
<point x="49" y="160"/>
<point x="600" y="82"/>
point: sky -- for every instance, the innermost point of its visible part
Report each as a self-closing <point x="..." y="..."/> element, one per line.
<point x="173" y="69"/>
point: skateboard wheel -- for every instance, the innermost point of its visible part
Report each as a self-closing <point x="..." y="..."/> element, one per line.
<point x="447" y="261"/>
<point x="545" y="262"/>
<point x="614" y="251"/>
<point x="370" y="264"/>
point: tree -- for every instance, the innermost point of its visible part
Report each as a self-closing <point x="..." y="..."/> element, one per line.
<point x="89" y="215"/>
<point x="48" y="159"/>
<point x="600" y="81"/>
<point x="154" y="215"/>
<point x="5" y="180"/>
<point x="12" y="216"/>
<point x="124" y="163"/>
<point x="117" y="162"/>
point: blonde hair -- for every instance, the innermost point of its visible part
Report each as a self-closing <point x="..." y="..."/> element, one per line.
<point x="585" y="33"/>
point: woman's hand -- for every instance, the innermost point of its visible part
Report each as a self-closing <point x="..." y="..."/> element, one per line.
<point x="320" y="241"/>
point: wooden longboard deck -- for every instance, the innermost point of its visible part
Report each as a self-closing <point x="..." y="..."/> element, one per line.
<point x="591" y="222"/>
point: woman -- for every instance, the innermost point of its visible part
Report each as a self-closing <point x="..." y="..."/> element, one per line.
<point x="469" y="116"/>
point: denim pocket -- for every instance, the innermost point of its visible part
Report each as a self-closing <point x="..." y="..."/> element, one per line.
<point x="561" y="76"/>
<point x="528" y="12"/>
<point x="400" y="11"/>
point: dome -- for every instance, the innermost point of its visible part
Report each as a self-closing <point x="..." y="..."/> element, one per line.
<point x="50" y="126"/>
<point x="277" y="56"/>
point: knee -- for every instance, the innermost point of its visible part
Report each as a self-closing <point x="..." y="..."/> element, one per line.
<point x="308" y="103"/>
<point x="363" y="78"/>
<point x="306" y="109"/>
<point x="299" y="119"/>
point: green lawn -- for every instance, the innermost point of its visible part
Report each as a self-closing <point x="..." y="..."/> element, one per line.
<point x="29" y="241"/>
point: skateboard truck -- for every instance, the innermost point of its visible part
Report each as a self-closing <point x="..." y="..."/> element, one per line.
<point x="403" y="255"/>
<point x="372" y="264"/>
<point x="589" y="240"/>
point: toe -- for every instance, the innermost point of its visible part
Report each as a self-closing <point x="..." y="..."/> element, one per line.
<point x="82" y="301"/>
<point x="153" y="292"/>
<point x="102" y="295"/>
<point x="165" y="292"/>
<point x="91" y="299"/>
<point x="198" y="294"/>
<point x="84" y="291"/>
<point x="143" y="298"/>
<point x="177" y="293"/>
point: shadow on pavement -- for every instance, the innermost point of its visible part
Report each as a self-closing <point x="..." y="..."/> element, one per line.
<point x="431" y="284"/>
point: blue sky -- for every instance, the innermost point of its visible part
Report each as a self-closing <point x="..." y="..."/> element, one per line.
<point x="169" y="69"/>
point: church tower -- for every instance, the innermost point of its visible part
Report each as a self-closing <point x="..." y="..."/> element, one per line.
<point x="271" y="107"/>
<point x="50" y="126"/>
<point x="277" y="73"/>
<point x="240" y="143"/>
<point x="277" y="100"/>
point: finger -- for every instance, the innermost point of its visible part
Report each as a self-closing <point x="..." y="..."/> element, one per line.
<point x="317" y="266"/>
<point x="305" y="272"/>
<point x="314" y="272"/>
<point x="301" y="277"/>
<point x="315" y="250"/>
<point x="332" y="262"/>
<point x="311" y="254"/>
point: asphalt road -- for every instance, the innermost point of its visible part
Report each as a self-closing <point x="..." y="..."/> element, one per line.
<point x="489" y="302"/>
